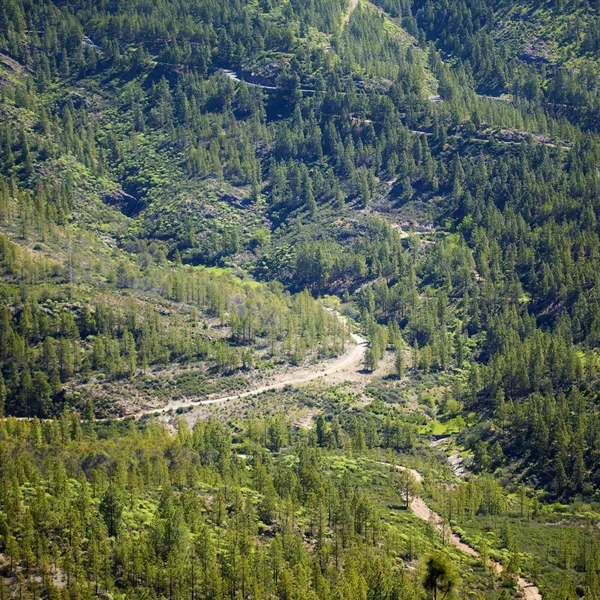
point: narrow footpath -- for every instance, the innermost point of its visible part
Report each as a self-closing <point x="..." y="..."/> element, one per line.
<point x="422" y="510"/>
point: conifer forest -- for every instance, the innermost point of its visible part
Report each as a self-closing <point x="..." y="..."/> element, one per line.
<point x="300" y="299"/>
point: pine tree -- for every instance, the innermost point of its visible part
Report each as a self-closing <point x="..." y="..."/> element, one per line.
<point x="399" y="362"/>
<point x="408" y="485"/>
<point x="42" y="392"/>
<point x="440" y="575"/>
<point x="371" y="359"/>
<point x="322" y="431"/>
<point x="3" y="395"/>
<point x="111" y="507"/>
<point x="560" y="478"/>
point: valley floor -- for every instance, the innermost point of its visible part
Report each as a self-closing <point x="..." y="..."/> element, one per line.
<point x="344" y="368"/>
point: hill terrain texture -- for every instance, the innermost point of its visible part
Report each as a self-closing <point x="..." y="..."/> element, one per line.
<point x="300" y="299"/>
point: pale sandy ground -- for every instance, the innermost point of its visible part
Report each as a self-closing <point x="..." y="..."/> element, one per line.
<point x="342" y="368"/>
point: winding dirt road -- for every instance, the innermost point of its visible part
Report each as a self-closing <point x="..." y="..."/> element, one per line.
<point x="421" y="510"/>
<point x="349" y="363"/>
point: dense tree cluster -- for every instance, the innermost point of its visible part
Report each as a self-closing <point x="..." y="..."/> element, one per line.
<point x="297" y="173"/>
<point x="86" y="510"/>
<point x="469" y="30"/>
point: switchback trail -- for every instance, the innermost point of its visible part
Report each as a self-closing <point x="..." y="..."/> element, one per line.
<point x="421" y="510"/>
<point x="350" y="361"/>
<point x="237" y="79"/>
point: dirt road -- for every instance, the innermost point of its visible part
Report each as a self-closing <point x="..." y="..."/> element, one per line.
<point x="235" y="77"/>
<point x="348" y="363"/>
<point x="351" y="9"/>
<point x="421" y="510"/>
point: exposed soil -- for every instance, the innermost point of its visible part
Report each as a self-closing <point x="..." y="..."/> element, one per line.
<point x="305" y="421"/>
<point x="455" y="459"/>
<point x="456" y="463"/>
<point x="351" y="9"/>
<point x="421" y="510"/>
<point x="345" y="367"/>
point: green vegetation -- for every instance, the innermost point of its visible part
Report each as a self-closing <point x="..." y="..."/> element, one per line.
<point x="553" y="544"/>
<point x="200" y="199"/>
<point x="104" y="509"/>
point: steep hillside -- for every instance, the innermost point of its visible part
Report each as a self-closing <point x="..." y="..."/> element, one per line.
<point x="201" y="201"/>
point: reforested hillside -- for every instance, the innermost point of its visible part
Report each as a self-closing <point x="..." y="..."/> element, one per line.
<point x="383" y="215"/>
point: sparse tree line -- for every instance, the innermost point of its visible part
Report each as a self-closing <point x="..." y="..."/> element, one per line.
<point x="574" y="553"/>
<point x="48" y="342"/>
